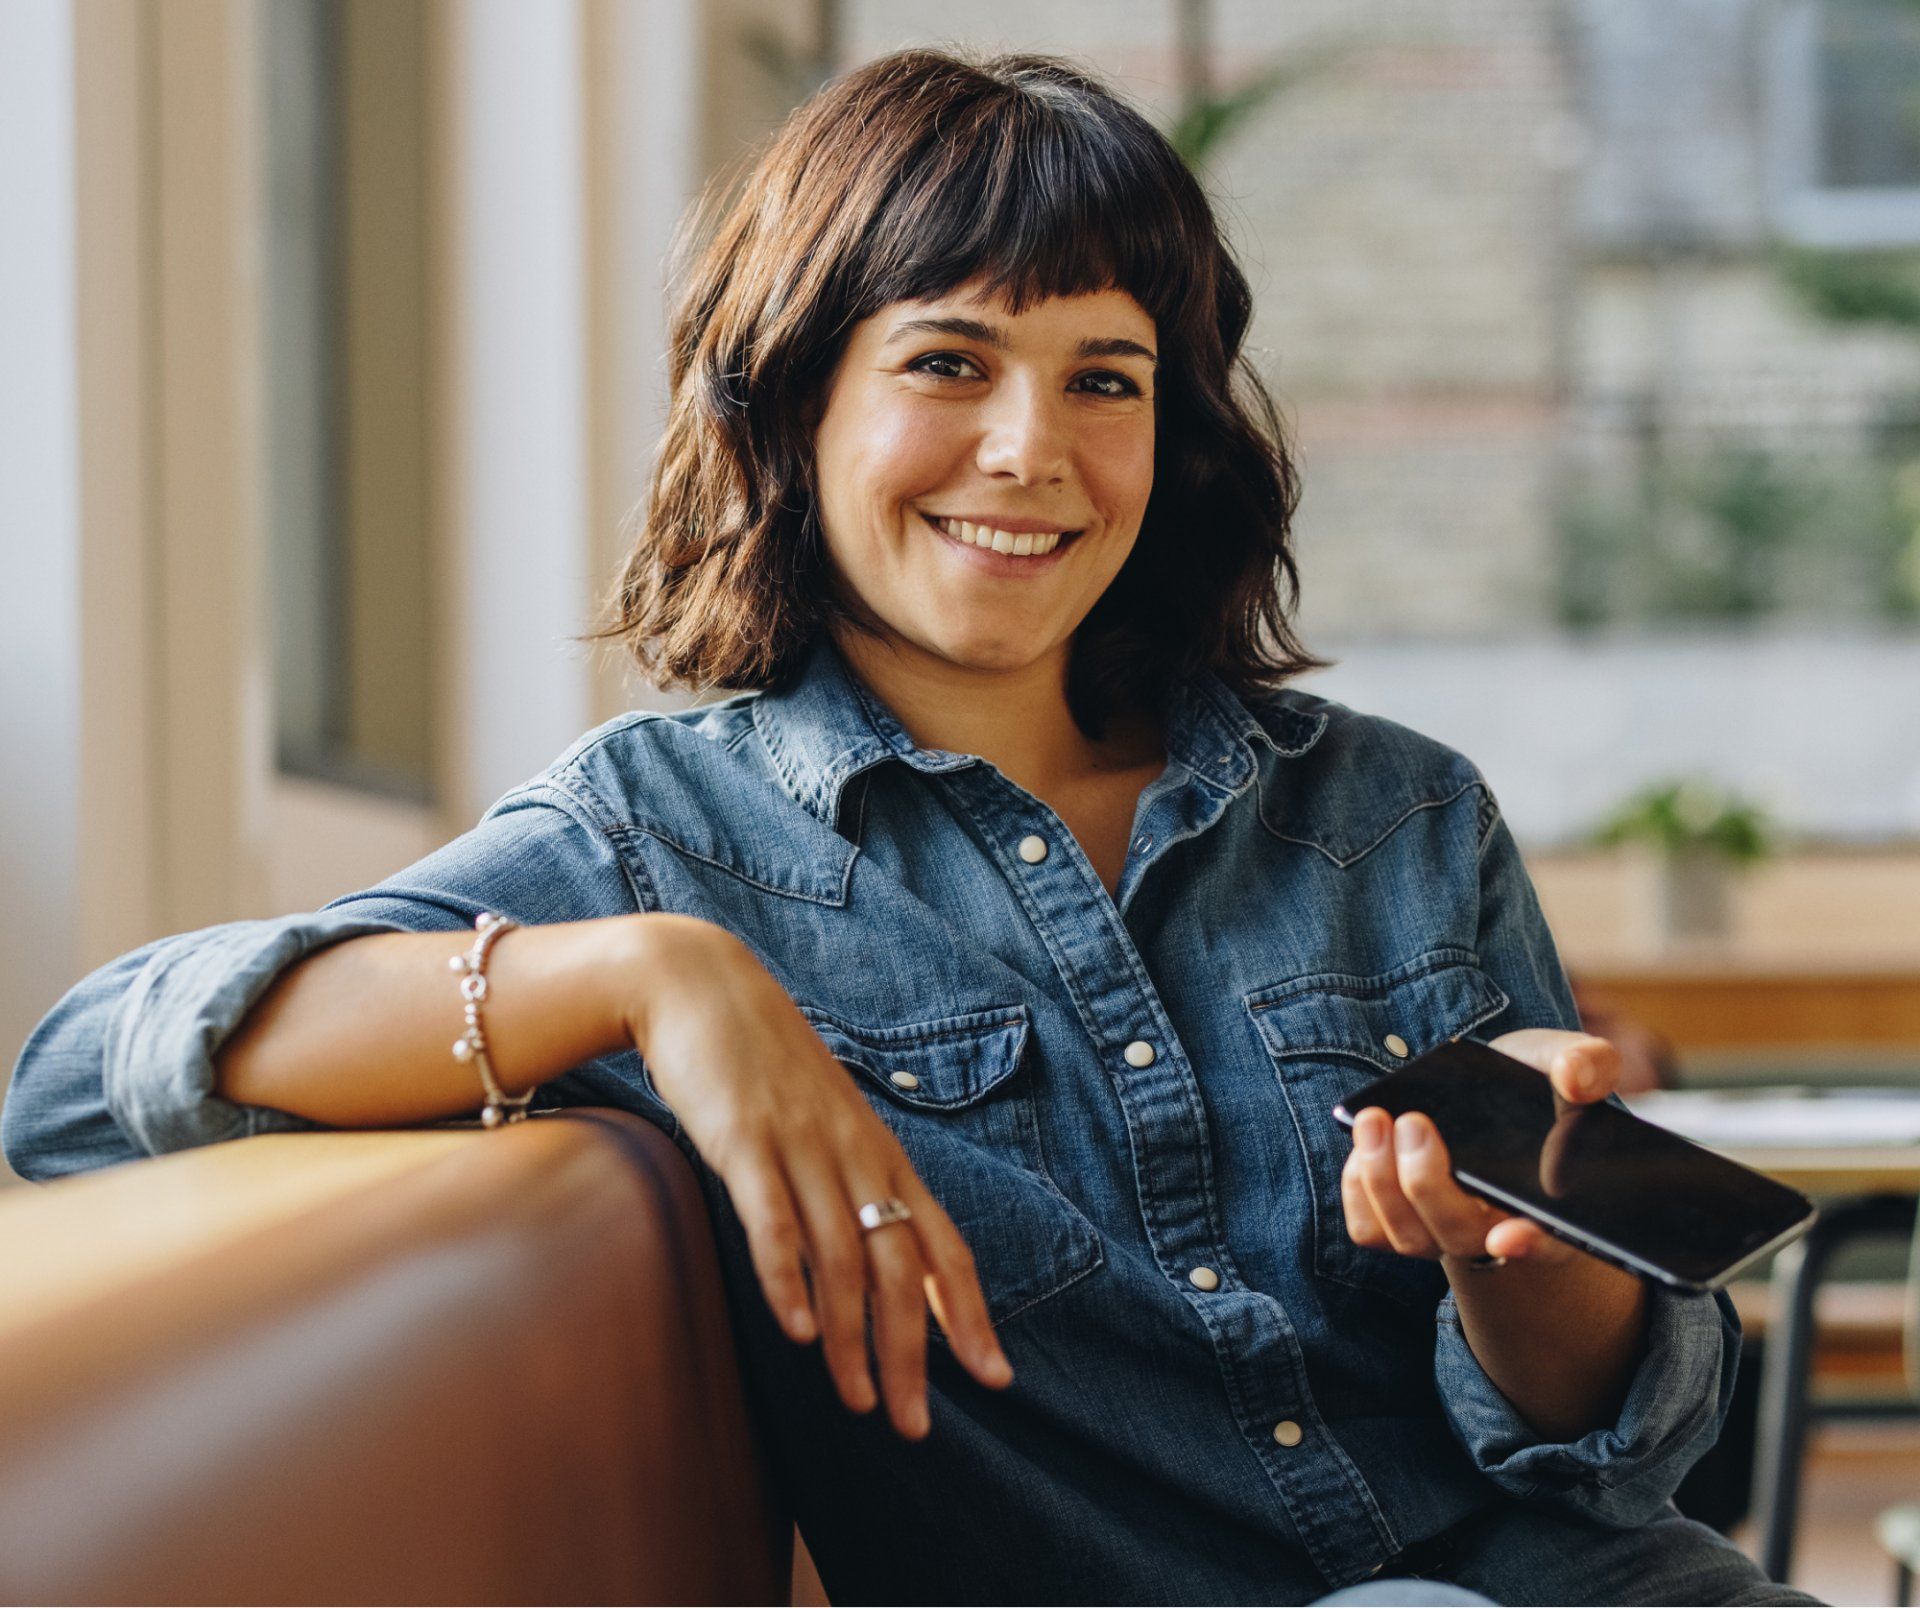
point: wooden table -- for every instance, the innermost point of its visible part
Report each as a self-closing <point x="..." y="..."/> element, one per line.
<point x="1705" y="1000"/>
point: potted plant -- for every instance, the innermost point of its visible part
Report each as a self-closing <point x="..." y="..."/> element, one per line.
<point x="1694" y="835"/>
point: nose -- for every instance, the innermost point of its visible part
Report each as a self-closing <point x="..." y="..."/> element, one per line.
<point x="1026" y="438"/>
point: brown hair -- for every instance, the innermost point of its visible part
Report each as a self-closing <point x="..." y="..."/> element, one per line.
<point x="902" y="180"/>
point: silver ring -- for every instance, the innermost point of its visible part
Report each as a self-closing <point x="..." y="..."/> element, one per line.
<point x="879" y="1213"/>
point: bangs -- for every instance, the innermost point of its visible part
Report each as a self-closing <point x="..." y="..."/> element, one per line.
<point x="1038" y="190"/>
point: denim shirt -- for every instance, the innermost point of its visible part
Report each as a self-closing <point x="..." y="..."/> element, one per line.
<point x="1123" y="1101"/>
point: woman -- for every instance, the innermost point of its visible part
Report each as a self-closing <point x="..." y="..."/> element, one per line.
<point x="1007" y="943"/>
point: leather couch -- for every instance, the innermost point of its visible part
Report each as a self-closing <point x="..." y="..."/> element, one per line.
<point x="408" y="1366"/>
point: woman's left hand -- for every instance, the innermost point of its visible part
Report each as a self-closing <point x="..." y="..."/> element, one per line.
<point x="1397" y="1186"/>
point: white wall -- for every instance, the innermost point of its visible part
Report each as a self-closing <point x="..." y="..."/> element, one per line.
<point x="1824" y="728"/>
<point x="39" y="522"/>
<point x="521" y="468"/>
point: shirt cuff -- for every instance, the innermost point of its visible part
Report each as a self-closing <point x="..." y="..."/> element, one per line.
<point x="1620" y="1476"/>
<point x="157" y="1069"/>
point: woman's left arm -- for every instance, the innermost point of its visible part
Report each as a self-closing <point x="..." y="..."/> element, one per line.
<point x="1560" y="1332"/>
<point x="1566" y="1381"/>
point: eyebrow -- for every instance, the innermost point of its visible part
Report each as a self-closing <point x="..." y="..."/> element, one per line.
<point x="971" y="329"/>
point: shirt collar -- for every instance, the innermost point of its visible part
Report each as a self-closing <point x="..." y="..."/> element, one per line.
<point x="827" y="726"/>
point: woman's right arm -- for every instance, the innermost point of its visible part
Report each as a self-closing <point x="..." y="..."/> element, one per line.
<point x="346" y="1017"/>
<point x="360" y="1034"/>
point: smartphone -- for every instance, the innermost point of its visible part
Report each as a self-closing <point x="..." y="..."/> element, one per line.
<point x="1621" y="1188"/>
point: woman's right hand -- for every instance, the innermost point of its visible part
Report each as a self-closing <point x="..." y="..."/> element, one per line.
<point x="799" y="1149"/>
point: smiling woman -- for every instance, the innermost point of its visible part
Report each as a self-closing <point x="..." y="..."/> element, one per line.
<point x="1002" y="949"/>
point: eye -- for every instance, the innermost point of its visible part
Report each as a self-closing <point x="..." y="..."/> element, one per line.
<point x="1107" y="383"/>
<point x="945" y="366"/>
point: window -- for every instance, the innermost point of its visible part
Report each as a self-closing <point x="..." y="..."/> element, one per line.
<point x="1844" y="122"/>
<point x="349" y="570"/>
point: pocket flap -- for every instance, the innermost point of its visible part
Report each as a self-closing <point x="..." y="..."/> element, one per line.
<point x="938" y="1065"/>
<point x="1437" y="998"/>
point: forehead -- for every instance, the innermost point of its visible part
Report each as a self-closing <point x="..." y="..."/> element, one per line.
<point x="1108" y="312"/>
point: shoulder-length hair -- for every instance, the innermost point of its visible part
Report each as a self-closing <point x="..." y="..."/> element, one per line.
<point x="903" y="180"/>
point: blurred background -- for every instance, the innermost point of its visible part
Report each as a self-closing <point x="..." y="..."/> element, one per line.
<point x="331" y="362"/>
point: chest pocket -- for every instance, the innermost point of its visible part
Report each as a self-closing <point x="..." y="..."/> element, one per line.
<point x="957" y="1093"/>
<point x="1329" y="1036"/>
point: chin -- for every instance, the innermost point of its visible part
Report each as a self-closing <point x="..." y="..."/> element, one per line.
<point x="989" y="653"/>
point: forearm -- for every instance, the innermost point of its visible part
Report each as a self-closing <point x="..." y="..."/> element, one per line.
<point x="360" y="1034"/>
<point x="1561" y="1343"/>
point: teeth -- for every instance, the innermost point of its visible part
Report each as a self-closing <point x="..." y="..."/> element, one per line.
<point x="1000" y="541"/>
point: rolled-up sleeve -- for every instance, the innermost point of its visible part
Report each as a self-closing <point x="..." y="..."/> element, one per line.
<point x="124" y="1065"/>
<point x="1678" y="1399"/>
<point x="1621" y="1475"/>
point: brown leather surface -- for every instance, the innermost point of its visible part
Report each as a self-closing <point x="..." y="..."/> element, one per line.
<point x="505" y="1375"/>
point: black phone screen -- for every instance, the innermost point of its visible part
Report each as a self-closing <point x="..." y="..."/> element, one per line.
<point x="1615" y="1184"/>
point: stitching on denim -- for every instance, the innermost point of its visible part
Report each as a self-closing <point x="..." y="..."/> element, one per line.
<point x="909" y="1035"/>
<point x="583" y="801"/>
<point x="1360" y="854"/>
<point x="659" y="835"/>
<point x="1378" y="984"/>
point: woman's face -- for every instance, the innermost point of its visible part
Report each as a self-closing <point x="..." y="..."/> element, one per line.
<point x="955" y="429"/>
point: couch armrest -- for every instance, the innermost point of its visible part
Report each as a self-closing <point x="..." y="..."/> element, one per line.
<point x="423" y="1365"/>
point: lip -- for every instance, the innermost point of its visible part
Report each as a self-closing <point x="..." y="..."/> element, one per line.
<point x="1008" y="565"/>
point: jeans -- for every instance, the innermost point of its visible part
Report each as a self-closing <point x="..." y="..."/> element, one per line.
<point x="1523" y="1555"/>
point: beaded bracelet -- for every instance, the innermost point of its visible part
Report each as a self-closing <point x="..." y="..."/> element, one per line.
<point x="472" y="1044"/>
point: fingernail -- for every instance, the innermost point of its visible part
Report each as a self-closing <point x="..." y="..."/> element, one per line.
<point x="998" y="1369"/>
<point x="917" y="1421"/>
<point x="1371" y="1138"/>
<point x="1409" y="1136"/>
<point x="800" y="1322"/>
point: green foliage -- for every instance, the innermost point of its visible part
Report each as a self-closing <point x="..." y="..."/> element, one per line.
<point x="1740" y="533"/>
<point x="1853" y="287"/>
<point x="1209" y="120"/>
<point x="1689" y="813"/>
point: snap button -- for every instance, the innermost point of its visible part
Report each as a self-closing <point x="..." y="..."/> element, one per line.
<point x="1287" y="1432"/>
<point x="1143" y="843"/>
<point x="1139" y="1053"/>
<point x="903" y="1080"/>
<point x="1396" y="1044"/>
<point x="1204" y="1278"/>
<point x="1033" y="849"/>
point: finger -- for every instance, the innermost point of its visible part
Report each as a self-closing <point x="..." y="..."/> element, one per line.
<point x="953" y="1286"/>
<point x="1363" y="1228"/>
<point x="896" y="1273"/>
<point x="1519" y="1238"/>
<point x="764" y="1204"/>
<point x="1379" y="1176"/>
<point x="1457" y="1222"/>
<point x="839" y="1263"/>
<point x="1581" y="1066"/>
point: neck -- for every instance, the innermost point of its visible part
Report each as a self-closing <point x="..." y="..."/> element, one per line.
<point x="1017" y="719"/>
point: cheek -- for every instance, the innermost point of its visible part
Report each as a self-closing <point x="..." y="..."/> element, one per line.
<point x="896" y="453"/>
<point x="1119" y="470"/>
